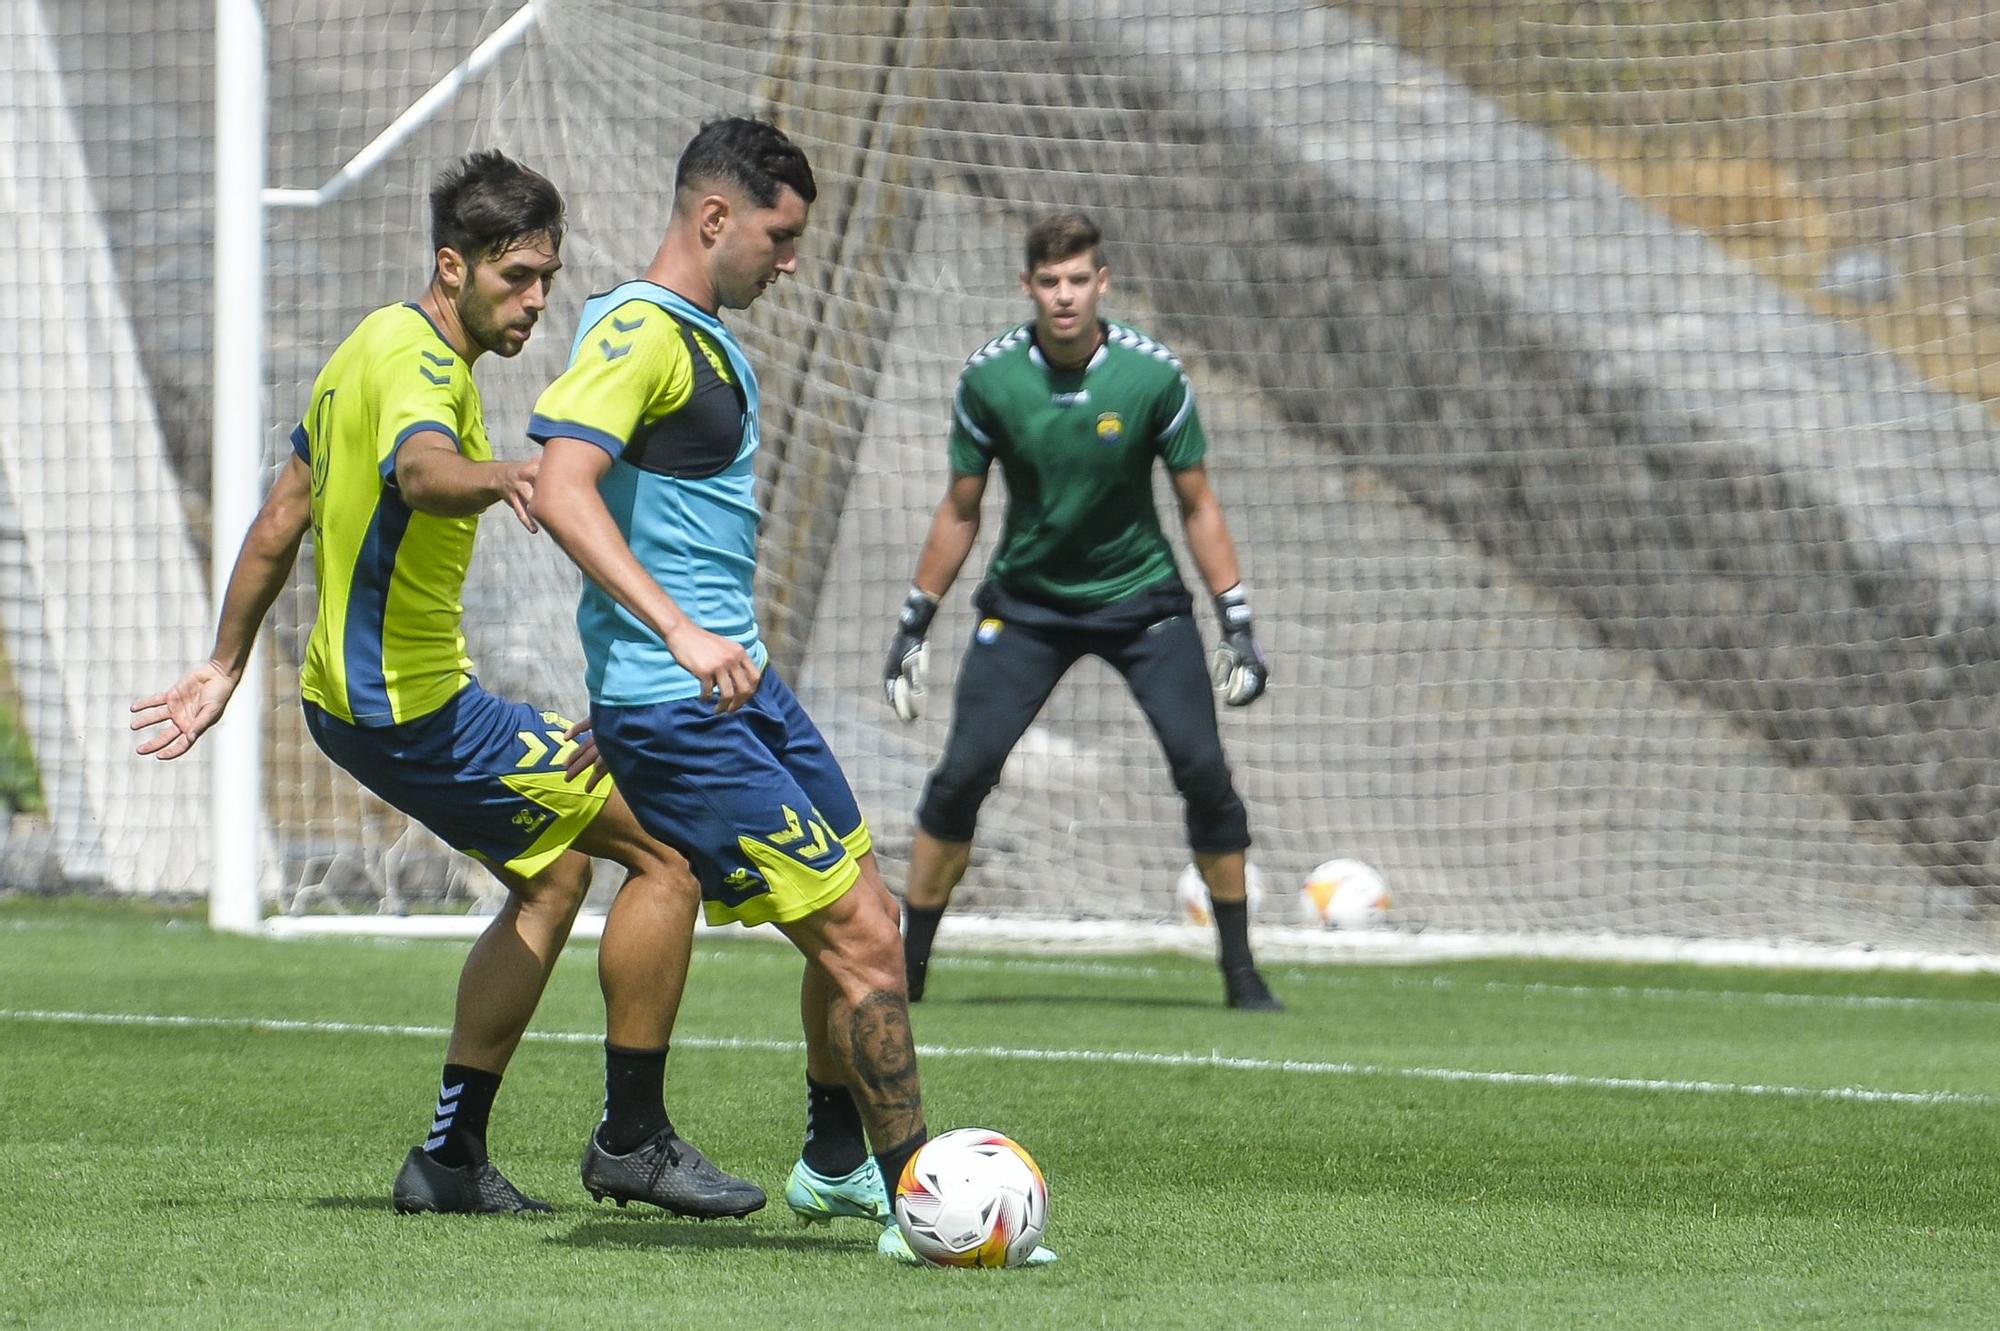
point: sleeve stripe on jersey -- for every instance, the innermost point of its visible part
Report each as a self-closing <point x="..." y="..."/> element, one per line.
<point x="1180" y="417"/>
<point x="301" y="442"/>
<point x="965" y="421"/>
<point x="421" y="427"/>
<point x="541" y="429"/>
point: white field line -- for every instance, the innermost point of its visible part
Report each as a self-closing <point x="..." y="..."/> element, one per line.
<point x="1116" y="1057"/>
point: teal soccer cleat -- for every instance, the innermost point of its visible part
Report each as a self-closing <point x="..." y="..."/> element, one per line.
<point x="817" y="1199"/>
<point x="893" y="1244"/>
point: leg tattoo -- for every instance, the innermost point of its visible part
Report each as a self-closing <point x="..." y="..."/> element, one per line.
<point x="884" y="1057"/>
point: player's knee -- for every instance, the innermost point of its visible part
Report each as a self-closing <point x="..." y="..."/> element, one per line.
<point x="1204" y="780"/>
<point x="1218" y="825"/>
<point x="559" y="887"/>
<point x="949" y="808"/>
<point x="862" y="950"/>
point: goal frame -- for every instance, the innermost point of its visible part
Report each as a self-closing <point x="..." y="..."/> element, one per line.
<point x="242" y="847"/>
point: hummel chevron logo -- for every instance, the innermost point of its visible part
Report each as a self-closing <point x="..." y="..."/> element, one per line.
<point x="434" y="378"/>
<point x="795" y="831"/>
<point x="436" y="359"/>
<point x="624" y="327"/>
<point x="611" y="352"/>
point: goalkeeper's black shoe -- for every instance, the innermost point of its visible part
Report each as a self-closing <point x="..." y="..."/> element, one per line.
<point x="668" y="1172"/>
<point x="424" y="1185"/>
<point x="1246" y="989"/>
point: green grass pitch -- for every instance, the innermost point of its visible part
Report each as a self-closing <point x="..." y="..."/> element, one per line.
<point x="1474" y="1145"/>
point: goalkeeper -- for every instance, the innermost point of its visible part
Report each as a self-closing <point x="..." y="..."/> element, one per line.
<point x="1075" y="409"/>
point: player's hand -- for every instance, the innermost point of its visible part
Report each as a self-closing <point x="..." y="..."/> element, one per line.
<point x="517" y="488"/>
<point x="1238" y="667"/>
<point x="903" y="678"/>
<point x="183" y="714"/>
<point x="584" y="763"/>
<point x="723" y="668"/>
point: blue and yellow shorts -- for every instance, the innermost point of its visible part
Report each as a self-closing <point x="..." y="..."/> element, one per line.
<point x="753" y="798"/>
<point x="483" y="773"/>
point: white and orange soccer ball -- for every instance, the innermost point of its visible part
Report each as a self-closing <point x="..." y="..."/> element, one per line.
<point x="972" y="1197"/>
<point x="1345" y="894"/>
<point x="1192" y="893"/>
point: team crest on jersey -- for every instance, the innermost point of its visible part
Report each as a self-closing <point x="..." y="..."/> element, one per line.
<point x="989" y="629"/>
<point x="1110" y="428"/>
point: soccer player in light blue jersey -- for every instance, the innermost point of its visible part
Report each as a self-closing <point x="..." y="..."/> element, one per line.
<point x="647" y="481"/>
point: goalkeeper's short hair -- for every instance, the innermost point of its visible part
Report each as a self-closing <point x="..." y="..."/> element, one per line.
<point x="1064" y="236"/>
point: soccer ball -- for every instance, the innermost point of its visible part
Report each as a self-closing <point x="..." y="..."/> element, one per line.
<point x="972" y="1198"/>
<point x="1192" y="893"/>
<point x="1344" y="894"/>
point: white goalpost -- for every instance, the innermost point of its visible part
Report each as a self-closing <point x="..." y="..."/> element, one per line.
<point x="240" y="843"/>
<point x="1626" y="567"/>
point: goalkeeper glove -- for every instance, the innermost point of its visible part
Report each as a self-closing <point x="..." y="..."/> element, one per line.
<point x="909" y="660"/>
<point x="1237" y="667"/>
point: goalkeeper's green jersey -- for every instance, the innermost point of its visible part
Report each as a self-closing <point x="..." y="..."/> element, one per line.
<point x="1077" y="449"/>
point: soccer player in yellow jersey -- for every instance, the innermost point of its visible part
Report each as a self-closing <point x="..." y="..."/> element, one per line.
<point x="392" y="468"/>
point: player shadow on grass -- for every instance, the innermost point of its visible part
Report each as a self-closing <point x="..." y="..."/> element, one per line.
<point x="586" y="1230"/>
<point x="633" y="1232"/>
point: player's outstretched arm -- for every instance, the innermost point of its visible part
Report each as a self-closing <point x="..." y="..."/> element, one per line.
<point x="172" y="721"/>
<point x="954" y="527"/>
<point x="434" y="477"/>
<point x="566" y="502"/>
<point x="1239" y="668"/>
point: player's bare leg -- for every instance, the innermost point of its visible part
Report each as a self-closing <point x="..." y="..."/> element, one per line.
<point x="835" y="1176"/>
<point x="1225" y="875"/>
<point x="498" y="989"/>
<point x="642" y="962"/>
<point x="509" y="966"/>
<point x="858" y="1019"/>
<point x="936" y="866"/>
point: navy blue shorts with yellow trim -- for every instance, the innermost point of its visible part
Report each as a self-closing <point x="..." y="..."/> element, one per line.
<point x="753" y="798"/>
<point x="483" y="773"/>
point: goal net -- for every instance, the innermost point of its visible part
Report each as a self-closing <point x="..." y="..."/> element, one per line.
<point x="1600" y="397"/>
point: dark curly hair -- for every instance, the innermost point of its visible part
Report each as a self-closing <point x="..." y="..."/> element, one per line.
<point x="486" y="203"/>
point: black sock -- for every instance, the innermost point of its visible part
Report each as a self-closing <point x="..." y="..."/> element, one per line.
<point x="1232" y="927"/>
<point x="635" y="1098"/>
<point x="920" y="924"/>
<point x="458" y="1126"/>
<point x="835" y="1147"/>
<point x="892" y="1161"/>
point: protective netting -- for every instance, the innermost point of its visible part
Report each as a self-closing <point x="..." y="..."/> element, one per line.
<point x="1595" y="393"/>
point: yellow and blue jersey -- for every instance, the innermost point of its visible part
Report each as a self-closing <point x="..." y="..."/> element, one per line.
<point x="662" y="386"/>
<point x="388" y="645"/>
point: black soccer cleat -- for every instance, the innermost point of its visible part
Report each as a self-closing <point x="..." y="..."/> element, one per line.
<point x="668" y="1172"/>
<point x="1246" y="989"/>
<point x="425" y="1186"/>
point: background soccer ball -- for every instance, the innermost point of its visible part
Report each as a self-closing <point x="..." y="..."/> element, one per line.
<point x="972" y="1197"/>
<point x="1192" y="893"/>
<point x="1345" y="894"/>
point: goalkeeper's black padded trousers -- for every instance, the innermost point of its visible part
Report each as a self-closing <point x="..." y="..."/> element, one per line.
<point x="1007" y="674"/>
